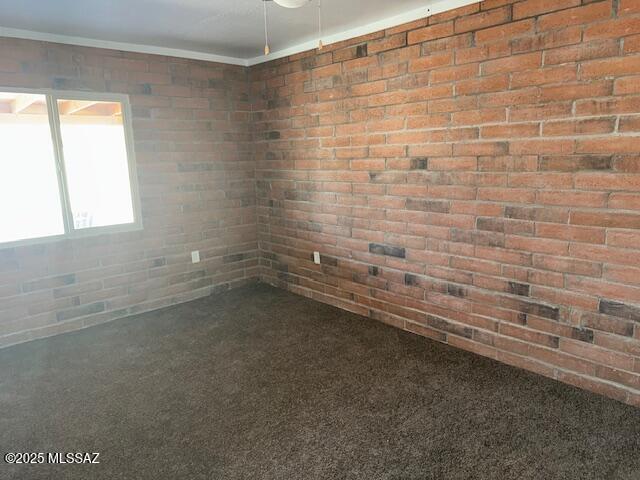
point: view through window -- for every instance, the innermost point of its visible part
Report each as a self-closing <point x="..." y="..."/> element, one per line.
<point x="30" y="202"/>
<point x="65" y="167"/>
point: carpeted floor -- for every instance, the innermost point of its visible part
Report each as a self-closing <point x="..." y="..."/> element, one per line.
<point x="258" y="383"/>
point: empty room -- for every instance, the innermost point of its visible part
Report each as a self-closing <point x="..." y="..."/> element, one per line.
<point x="320" y="239"/>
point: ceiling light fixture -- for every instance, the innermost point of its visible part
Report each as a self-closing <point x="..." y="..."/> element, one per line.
<point x="291" y="3"/>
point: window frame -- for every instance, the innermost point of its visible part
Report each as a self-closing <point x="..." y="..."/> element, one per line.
<point x="52" y="96"/>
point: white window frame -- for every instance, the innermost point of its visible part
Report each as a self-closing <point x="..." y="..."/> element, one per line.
<point x="52" y="97"/>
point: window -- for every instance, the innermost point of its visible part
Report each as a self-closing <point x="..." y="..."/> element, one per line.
<point x="67" y="166"/>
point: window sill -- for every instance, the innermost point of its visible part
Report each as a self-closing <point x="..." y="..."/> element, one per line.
<point x="75" y="235"/>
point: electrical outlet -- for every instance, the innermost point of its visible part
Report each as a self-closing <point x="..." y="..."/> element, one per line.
<point x="316" y="257"/>
<point x="195" y="256"/>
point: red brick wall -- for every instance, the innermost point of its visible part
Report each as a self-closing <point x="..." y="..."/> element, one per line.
<point x="473" y="177"/>
<point x="196" y="177"/>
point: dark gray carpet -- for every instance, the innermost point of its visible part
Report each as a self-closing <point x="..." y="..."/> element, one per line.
<point x="258" y="383"/>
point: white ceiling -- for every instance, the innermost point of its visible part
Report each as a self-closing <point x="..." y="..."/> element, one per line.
<point x="224" y="30"/>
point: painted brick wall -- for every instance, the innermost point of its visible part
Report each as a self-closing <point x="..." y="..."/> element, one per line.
<point x="196" y="172"/>
<point x="473" y="177"/>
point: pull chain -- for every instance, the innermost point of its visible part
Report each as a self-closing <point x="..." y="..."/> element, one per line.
<point x="266" y="32"/>
<point x="320" y="25"/>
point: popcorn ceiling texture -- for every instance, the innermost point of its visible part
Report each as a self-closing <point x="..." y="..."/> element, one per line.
<point x="473" y="177"/>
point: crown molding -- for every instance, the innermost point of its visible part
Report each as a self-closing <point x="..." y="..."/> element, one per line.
<point x="429" y="9"/>
<point x="126" y="47"/>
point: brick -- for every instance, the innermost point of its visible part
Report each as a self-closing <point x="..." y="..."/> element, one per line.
<point x="387" y="43"/>
<point x="611" y="67"/>
<point x="607" y="324"/>
<point x="438" y="206"/>
<point x="618" y="376"/>
<point x="536" y="214"/>
<point x="427" y="121"/>
<point x="81" y="311"/>
<point x="627" y="85"/>
<point x="349" y="53"/>
<point x="426" y="332"/>
<point x="481" y="148"/>
<point x="429" y="62"/>
<point x="567" y="265"/>
<point x="575" y="91"/>
<point x="618" y="309"/>
<point x="454" y="163"/>
<point x="607" y="106"/>
<point x="628" y="201"/>
<point x="544" y="76"/>
<point x="491" y="4"/>
<point x="449" y="74"/>
<point x="507" y="30"/>
<point x="449" y="327"/>
<point x="369" y="88"/>
<point x="507" y="194"/>
<point x="482" y="85"/>
<point x="542" y="146"/>
<point x="511" y="64"/>
<point x="478" y="117"/>
<point x="573" y="198"/>
<point x="627" y="239"/>
<point x="609" y="220"/>
<point x="575" y="16"/>
<point x="454" y="13"/>
<point x="517" y="288"/>
<point x="632" y="44"/>
<point x="491" y="224"/>
<point x="482" y="53"/>
<point x="532" y="8"/>
<point x="576" y="163"/>
<point x="388" y="250"/>
<point x="609" y="181"/>
<point x="531" y="308"/>
<point x="622" y="274"/>
<point x="582" y="52"/>
<point x="616" y="28"/>
<point x="529" y="336"/>
<point x="628" y="7"/>
<point x="171" y="90"/>
<point x="49" y="283"/>
<point x="571" y="233"/>
<point x="419" y="163"/>
<point x="630" y="164"/>
<point x="456" y="290"/>
<point x="609" y="145"/>
<point x="431" y="32"/>
<point x="482" y="20"/>
<point x="607" y="254"/>
<point x="326" y="71"/>
<point x="547" y="40"/>
<point x="539" y="112"/>
<point x="387" y="151"/>
<point x="479" y="238"/>
<point x="537" y="245"/>
<point x="579" y="127"/>
<point x="510" y="131"/>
